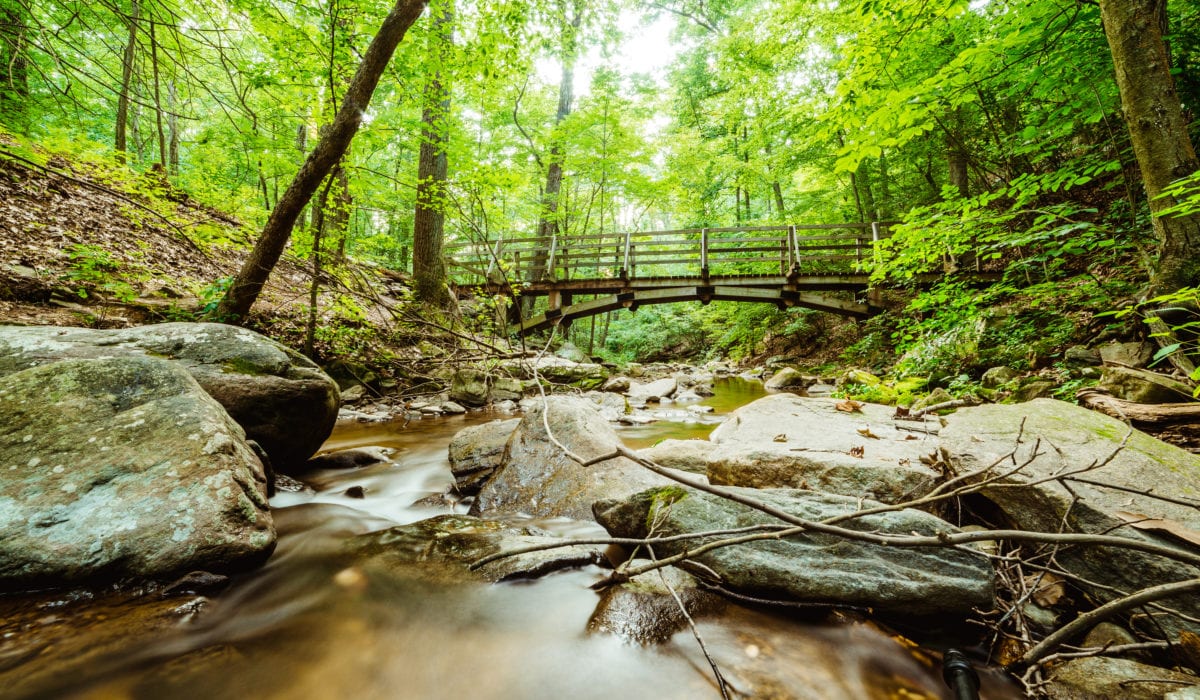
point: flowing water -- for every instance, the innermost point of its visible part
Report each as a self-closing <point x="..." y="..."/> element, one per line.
<point x="306" y="626"/>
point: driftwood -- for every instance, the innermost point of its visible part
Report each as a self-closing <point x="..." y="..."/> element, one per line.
<point x="1176" y="423"/>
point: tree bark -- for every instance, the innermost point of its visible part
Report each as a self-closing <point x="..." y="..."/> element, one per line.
<point x="429" y="267"/>
<point x="14" y="65"/>
<point x="548" y="218"/>
<point x="173" y="129"/>
<point x="158" y="110"/>
<point x="1157" y="131"/>
<point x="120" y="138"/>
<point x="248" y="283"/>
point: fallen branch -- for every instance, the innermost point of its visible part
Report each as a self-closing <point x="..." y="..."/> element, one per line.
<point x="1109" y="609"/>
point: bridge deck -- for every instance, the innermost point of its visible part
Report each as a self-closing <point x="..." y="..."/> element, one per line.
<point x="784" y="265"/>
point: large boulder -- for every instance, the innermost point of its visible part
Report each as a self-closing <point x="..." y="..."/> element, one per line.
<point x="537" y="478"/>
<point x="477" y="451"/>
<point x="281" y="399"/>
<point x="123" y="467"/>
<point x="784" y="440"/>
<point x="812" y="567"/>
<point x="1054" y="440"/>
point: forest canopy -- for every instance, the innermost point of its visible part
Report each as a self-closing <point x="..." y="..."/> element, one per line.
<point x="1038" y="138"/>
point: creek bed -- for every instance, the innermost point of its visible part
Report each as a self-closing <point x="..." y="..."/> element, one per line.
<point x="304" y="626"/>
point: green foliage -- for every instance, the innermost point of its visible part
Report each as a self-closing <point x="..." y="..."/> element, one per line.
<point x="95" y="268"/>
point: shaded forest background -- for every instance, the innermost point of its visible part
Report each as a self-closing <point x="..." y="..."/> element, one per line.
<point x="993" y="132"/>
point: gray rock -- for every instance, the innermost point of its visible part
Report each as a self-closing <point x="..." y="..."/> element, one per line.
<point x="123" y="467"/>
<point x="281" y="399"/>
<point x="1080" y="356"/>
<point x="1100" y="677"/>
<point x="452" y="408"/>
<point x="556" y="370"/>
<point x="660" y="389"/>
<point x="820" y="389"/>
<point x="456" y="541"/>
<point x="506" y="389"/>
<point x="1143" y="386"/>
<point x="634" y="369"/>
<point x="611" y="406"/>
<point x="538" y="479"/>
<point x="1069" y="438"/>
<point x="350" y="459"/>
<point x="998" y="376"/>
<point x="784" y="440"/>
<point x="644" y="611"/>
<point x="1036" y="389"/>
<point x="470" y="387"/>
<point x="616" y="384"/>
<point x="477" y="451"/>
<point x="1127" y="354"/>
<point x="813" y="567"/>
<point x="353" y="394"/>
<point x="786" y="378"/>
<point x="568" y="351"/>
<point x="684" y="455"/>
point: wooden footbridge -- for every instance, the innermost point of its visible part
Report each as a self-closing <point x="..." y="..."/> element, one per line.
<point x="796" y="265"/>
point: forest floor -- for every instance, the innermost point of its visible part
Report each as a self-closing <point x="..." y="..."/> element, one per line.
<point x="88" y="245"/>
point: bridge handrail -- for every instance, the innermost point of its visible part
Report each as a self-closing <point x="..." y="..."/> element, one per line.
<point x="715" y="251"/>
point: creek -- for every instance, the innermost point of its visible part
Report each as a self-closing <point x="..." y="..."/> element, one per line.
<point x="304" y="626"/>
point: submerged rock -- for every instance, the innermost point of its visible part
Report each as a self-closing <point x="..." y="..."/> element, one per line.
<point x="1053" y="439"/>
<point x="281" y="399"/>
<point x="123" y="467"/>
<point x="477" y="451"/>
<point x="784" y="440"/>
<point x="646" y="611"/>
<point x="537" y="478"/>
<point x="813" y="567"/>
<point x="457" y="541"/>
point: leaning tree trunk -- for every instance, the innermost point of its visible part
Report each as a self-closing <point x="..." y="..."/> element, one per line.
<point x="429" y="218"/>
<point x="1157" y="131"/>
<point x="248" y="283"/>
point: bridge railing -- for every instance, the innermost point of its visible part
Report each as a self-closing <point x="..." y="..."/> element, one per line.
<point x="692" y="252"/>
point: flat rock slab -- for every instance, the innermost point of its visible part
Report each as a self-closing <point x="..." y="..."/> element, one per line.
<point x="814" y="567"/>
<point x="280" y="398"/>
<point x="123" y="467"/>
<point x="783" y="441"/>
<point x="537" y="478"/>
<point x="1054" y="439"/>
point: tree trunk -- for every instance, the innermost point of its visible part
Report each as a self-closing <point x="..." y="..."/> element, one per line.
<point x="126" y="82"/>
<point x="778" y="190"/>
<point x="957" y="157"/>
<point x="158" y="110"/>
<point x="429" y="267"/>
<point x="548" y="219"/>
<point x="1157" y="131"/>
<point x="173" y="128"/>
<point x="248" y="283"/>
<point x="14" y="65"/>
